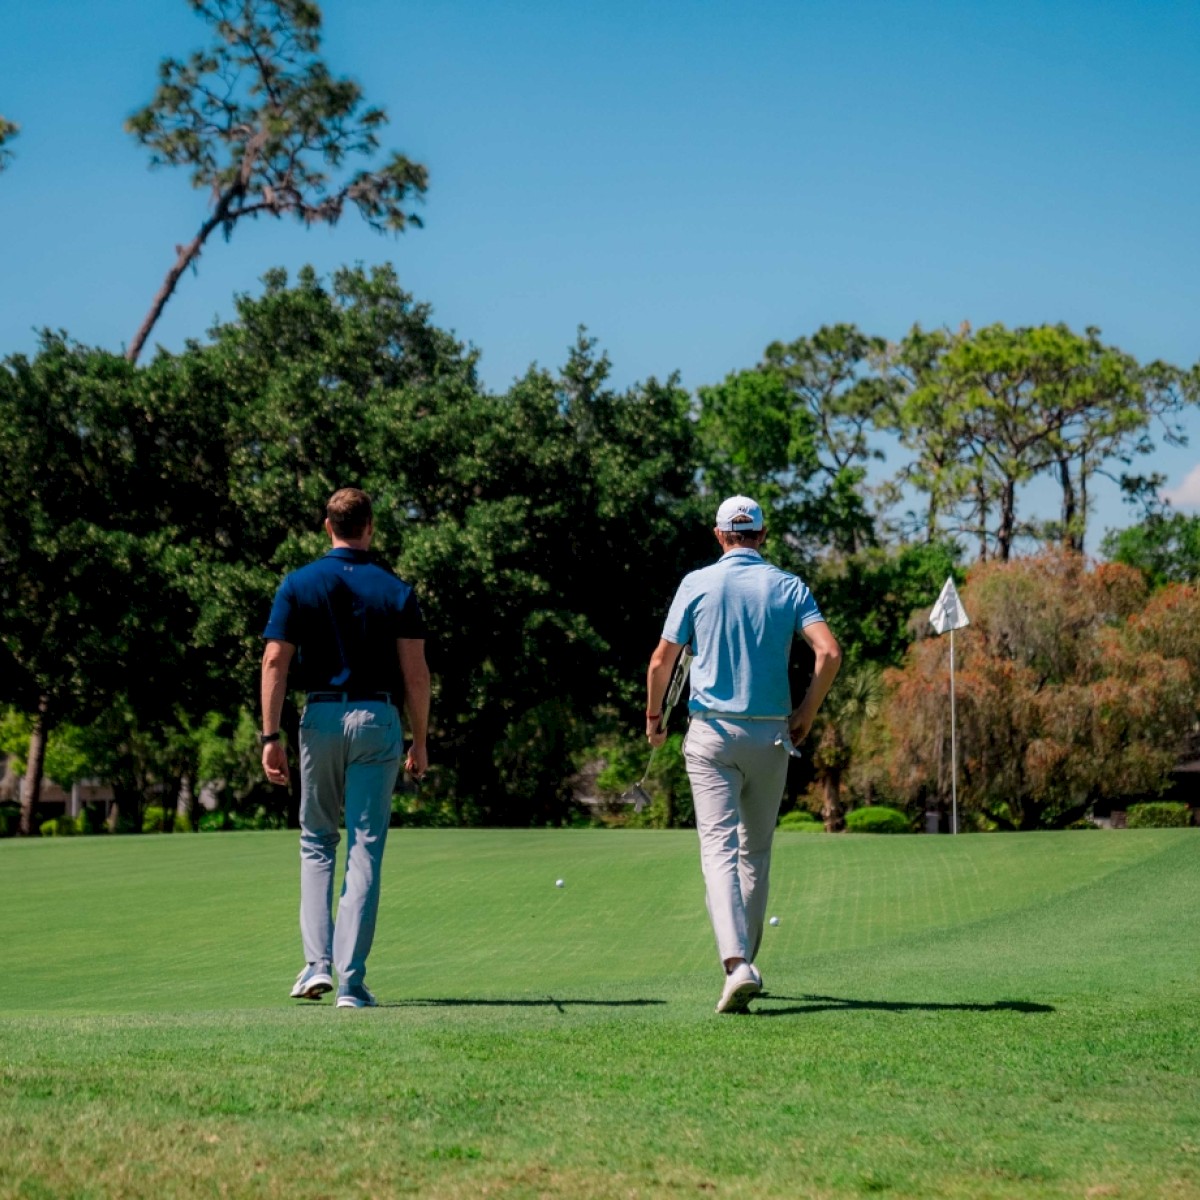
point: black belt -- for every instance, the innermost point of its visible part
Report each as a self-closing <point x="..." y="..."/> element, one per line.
<point x="349" y="697"/>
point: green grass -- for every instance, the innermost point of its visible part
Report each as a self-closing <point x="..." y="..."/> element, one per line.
<point x="983" y="1016"/>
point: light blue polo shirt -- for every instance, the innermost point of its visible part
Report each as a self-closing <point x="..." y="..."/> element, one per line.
<point x="739" y="616"/>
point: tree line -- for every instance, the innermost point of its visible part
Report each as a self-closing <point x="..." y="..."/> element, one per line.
<point x="148" y="512"/>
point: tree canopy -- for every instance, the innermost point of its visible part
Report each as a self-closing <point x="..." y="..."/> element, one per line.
<point x="1073" y="686"/>
<point x="148" y="513"/>
<point x="264" y="128"/>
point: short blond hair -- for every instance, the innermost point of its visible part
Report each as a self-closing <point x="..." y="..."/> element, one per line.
<point x="349" y="511"/>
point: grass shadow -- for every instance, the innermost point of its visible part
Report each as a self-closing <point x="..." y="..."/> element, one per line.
<point x="547" y="1002"/>
<point x="816" y="1004"/>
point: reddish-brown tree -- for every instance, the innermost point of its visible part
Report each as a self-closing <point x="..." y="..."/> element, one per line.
<point x="1072" y="687"/>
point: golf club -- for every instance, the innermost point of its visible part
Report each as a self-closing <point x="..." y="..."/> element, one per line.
<point x="786" y="742"/>
<point x="679" y="675"/>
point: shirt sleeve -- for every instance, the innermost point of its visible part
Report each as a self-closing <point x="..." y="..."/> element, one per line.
<point x="410" y="621"/>
<point x="807" y="612"/>
<point x="679" y="626"/>
<point x="281" y="623"/>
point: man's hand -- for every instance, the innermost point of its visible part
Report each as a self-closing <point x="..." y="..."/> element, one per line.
<point x="827" y="661"/>
<point x="798" y="727"/>
<point x="655" y="733"/>
<point x="274" y="760"/>
<point x="417" y="761"/>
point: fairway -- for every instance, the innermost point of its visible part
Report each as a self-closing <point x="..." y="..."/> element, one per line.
<point x="984" y="1016"/>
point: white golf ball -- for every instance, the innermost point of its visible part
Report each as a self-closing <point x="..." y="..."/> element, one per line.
<point x="774" y="920"/>
<point x="558" y="883"/>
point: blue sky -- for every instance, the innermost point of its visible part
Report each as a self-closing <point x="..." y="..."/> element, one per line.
<point x="690" y="180"/>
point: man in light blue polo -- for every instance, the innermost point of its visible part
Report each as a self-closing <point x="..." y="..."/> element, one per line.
<point x="739" y="617"/>
<point x="354" y="632"/>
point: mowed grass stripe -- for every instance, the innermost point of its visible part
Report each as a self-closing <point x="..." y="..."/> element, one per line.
<point x="194" y="922"/>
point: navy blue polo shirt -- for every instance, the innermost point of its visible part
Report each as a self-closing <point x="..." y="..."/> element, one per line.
<point x="343" y="613"/>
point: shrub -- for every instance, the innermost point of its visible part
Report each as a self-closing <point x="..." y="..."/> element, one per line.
<point x="154" y="819"/>
<point x="1159" y="814"/>
<point x="877" y="818"/>
<point x="59" y="827"/>
<point x="800" y="820"/>
<point x="210" y="821"/>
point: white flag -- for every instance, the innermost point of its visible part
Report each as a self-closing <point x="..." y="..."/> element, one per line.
<point x="948" y="612"/>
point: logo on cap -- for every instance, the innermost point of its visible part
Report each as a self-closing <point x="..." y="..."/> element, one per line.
<point x="739" y="514"/>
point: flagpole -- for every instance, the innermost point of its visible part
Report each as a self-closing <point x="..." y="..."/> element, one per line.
<point x="953" y="747"/>
<point x="947" y="616"/>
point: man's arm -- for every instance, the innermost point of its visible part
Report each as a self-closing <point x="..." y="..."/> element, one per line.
<point x="277" y="658"/>
<point x="416" y="702"/>
<point x="658" y="679"/>
<point x="829" y="660"/>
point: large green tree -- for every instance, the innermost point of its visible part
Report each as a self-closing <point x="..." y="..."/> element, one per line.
<point x="1165" y="547"/>
<point x="835" y="378"/>
<point x="544" y="528"/>
<point x="90" y="613"/>
<point x="265" y="127"/>
<point x="987" y="411"/>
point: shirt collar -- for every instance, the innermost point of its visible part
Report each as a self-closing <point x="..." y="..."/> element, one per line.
<point x="348" y="552"/>
<point x="741" y="552"/>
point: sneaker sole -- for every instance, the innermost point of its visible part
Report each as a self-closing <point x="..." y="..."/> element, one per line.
<point x="315" y="990"/>
<point x="350" y="1002"/>
<point x="739" y="999"/>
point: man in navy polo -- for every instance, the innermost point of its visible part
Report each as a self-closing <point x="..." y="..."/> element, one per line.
<point x="739" y="616"/>
<point x="354" y="632"/>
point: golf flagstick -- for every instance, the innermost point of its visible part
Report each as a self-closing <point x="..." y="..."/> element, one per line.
<point x="683" y="665"/>
<point x="948" y="615"/>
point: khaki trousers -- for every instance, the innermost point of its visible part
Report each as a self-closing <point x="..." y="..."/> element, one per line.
<point x="738" y="774"/>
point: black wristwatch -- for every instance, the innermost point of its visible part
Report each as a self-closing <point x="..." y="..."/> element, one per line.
<point x="265" y="739"/>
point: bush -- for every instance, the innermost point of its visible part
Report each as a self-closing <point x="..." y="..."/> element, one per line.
<point x="412" y="812"/>
<point x="1159" y="814"/>
<point x="258" y="818"/>
<point x="154" y="819"/>
<point x="877" y="818"/>
<point x="10" y="818"/>
<point x="800" y="820"/>
<point x="59" y="827"/>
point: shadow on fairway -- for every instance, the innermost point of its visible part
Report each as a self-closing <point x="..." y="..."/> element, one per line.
<point x="816" y="1004"/>
<point x="549" y="1001"/>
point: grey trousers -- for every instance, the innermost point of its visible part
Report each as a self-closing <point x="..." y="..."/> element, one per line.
<point x="349" y="757"/>
<point x="737" y="775"/>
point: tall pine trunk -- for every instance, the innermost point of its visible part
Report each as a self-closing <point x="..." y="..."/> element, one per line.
<point x="31" y="793"/>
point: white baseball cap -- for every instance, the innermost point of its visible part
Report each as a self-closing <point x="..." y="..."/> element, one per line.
<point x="739" y="514"/>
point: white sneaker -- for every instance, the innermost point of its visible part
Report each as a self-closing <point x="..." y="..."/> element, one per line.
<point x="355" y="995"/>
<point x="313" y="982"/>
<point x="757" y="976"/>
<point x="741" y="985"/>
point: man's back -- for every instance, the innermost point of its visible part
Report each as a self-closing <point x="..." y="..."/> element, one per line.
<point x="740" y="615"/>
<point x="344" y="613"/>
